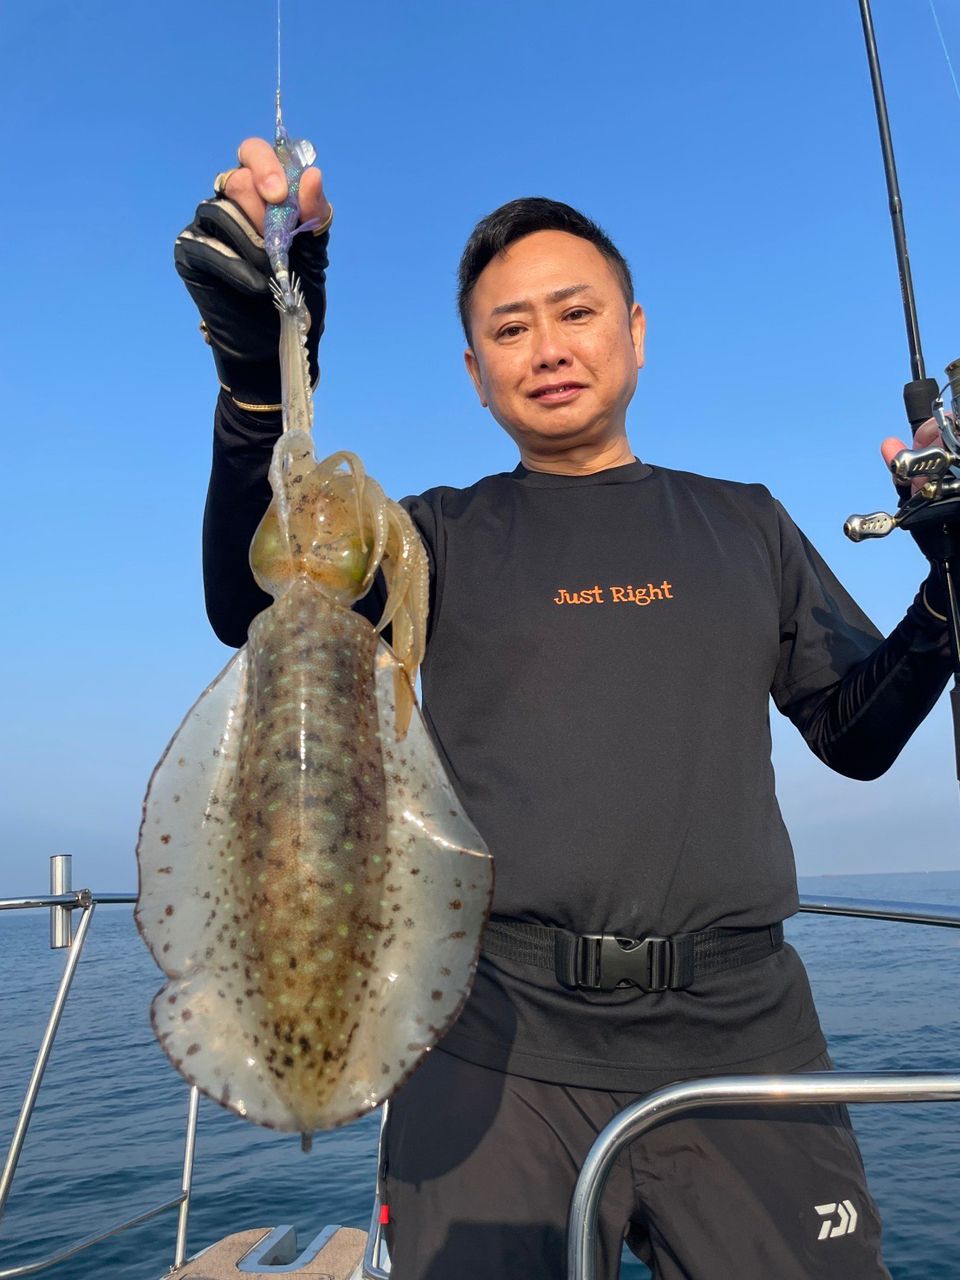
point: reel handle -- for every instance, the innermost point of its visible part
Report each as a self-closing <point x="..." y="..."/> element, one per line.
<point x="911" y="464"/>
<point x="877" y="525"/>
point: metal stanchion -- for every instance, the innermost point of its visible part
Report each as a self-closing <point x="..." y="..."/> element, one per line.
<point x="61" y="918"/>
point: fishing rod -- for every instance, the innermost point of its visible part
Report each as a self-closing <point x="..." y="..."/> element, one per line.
<point x="920" y="393"/>
<point x="934" y="509"/>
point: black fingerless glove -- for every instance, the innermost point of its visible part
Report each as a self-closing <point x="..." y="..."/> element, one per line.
<point x="222" y="261"/>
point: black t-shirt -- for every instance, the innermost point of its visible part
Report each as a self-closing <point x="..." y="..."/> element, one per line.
<point x="601" y="656"/>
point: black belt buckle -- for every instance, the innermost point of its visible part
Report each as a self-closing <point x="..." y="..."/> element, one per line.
<point x="607" y="962"/>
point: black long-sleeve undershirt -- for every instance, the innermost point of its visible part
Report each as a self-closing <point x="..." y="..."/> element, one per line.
<point x="859" y="725"/>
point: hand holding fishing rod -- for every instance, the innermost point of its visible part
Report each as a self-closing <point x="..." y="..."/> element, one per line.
<point x="927" y="475"/>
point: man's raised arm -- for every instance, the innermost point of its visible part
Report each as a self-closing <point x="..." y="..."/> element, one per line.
<point x="222" y="261"/>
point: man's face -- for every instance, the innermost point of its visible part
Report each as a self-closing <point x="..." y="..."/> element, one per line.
<point x="555" y="350"/>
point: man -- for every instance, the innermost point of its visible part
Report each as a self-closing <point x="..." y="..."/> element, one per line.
<point x="605" y="636"/>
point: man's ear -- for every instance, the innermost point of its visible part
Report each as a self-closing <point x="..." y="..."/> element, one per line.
<point x="473" y="368"/>
<point x="638" y="328"/>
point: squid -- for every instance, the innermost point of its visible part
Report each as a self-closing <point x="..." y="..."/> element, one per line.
<point x="310" y="884"/>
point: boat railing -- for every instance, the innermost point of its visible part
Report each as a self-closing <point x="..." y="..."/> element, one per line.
<point x="747" y="1091"/>
<point x="656" y="1108"/>
<point x="62" y="901"/>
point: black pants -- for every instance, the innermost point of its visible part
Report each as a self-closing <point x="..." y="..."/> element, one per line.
<point x="479" y="1169"/>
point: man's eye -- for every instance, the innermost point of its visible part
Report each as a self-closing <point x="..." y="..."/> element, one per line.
<point x="510" y="331"/>
<point x="578" y="313"/>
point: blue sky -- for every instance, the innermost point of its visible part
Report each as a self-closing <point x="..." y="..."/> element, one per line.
<point x="730" y="150"/>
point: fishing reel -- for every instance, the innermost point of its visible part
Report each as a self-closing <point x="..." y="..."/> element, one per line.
<point x="938" y="498"/>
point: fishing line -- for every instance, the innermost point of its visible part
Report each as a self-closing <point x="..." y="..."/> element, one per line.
<point x="943" y="46"/>
<point x="278" y="62"/>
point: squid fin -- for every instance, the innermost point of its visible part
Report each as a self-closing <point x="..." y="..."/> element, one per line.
<point x="196" y="1020"/>
<point x="185" y="831"/>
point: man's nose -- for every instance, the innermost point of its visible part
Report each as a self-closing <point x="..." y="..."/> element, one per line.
<point x="551" y="351"/>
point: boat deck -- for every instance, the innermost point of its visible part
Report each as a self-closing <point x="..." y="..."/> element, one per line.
<point x="238" y="1257"/>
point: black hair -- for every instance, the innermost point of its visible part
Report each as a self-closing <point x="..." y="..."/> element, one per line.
<point x="518" y="218"/>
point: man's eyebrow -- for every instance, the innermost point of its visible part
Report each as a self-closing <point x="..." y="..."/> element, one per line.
<point x="558" y="295"/>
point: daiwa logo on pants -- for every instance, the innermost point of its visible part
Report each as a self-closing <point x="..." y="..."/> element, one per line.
<point x="846" y="1223"/>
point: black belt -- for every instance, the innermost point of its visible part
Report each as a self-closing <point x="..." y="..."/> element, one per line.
<point x="603" y="961"/>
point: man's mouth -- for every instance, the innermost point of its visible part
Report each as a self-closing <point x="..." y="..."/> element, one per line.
<point x="557" y="393"/>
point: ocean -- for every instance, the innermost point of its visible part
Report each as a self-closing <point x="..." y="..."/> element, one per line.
<point x="106" y="1139"/>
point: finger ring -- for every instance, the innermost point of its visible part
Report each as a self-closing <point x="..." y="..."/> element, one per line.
<point x="221" y="180"/>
